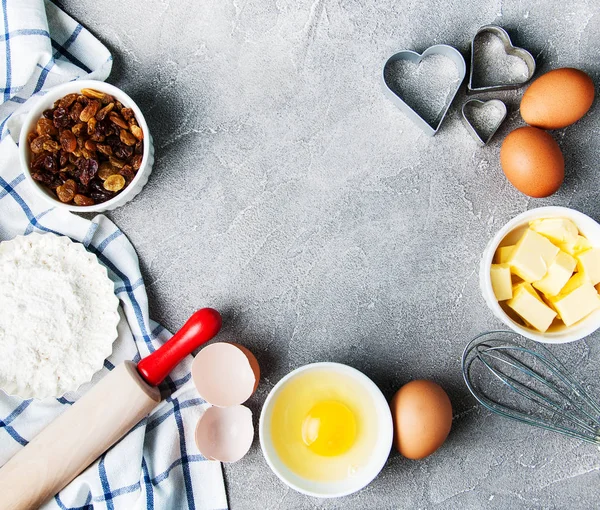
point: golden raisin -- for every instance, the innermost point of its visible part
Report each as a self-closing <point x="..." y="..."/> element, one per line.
<point x="78" y="128"/>
<point x="127" y="113"/>
<point x="90" y="110"/>
<point x="102" y="113"/>
<point x="115" y="118"/>
<point x="67" y="101"/>
<point x="45" y="127"/>
<point x="67" y="191"/>
<point x="137" y="132"/>
<point x="93" y="94"/>
<point x="37" y="145"/>
<point x="91" y="126"/>
<point x="104" y="149"/>
<point x="83" y="200"/>
<point x="116" y="162"/>
<point x="114" y="183"/>
<point x="127" y="138"/>
<point x="136" y="162"/>
<point x="90" y="145"/>
<point x="68" y="142"/>
<point x="106" y="170"/>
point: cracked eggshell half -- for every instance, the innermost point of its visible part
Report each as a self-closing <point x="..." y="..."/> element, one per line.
<point x="225" y="374"/>
<point x="225" y="433"/>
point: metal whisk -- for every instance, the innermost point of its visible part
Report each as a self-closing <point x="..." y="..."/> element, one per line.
<point x="542" y="391"/>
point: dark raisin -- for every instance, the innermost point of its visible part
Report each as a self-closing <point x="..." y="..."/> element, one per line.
<point x="88" y="170"/>
<point x="61" y="118"/>
<point x="49" y="114"/>
<point x="123" y="151"/>
<point x="75" y="111"/>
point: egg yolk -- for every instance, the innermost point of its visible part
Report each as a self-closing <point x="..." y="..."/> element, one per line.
<point x="329" y="428"/>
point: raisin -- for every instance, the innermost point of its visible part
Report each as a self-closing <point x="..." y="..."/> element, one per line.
<point x="127" y="138"/>
<point x="63" y="158"/>
<point x="90" y="145"/>
<point x="49" y="114"/>
<point x="37" y="145"/>
<point x="78" y="128"/>
<point x="136" y="162"/>
<point x="122" y="151"/>
<point x="75" y="111"/>
<point x="90" y="110"/>
<point x="139" y="147"/>
<point x="91" y="126"/>
<point x="137" y="131"/>
<point x="66" y="192"/>
<point x="31" y="137"/>
<point x="115" y="118"/>
<point x="38" y="161"/>
<point x="45" y="127"/>
<point x="49" y="163"/>
<point x="127" y="113"/>
<point x="61" y="118"/>
<point x="67" y="101"/>
<point x="93" y="94"/>
<point x="114" y="183"/>
<point x="83" y="200"/>
<point x="116" y="162"/>
<point x="68" y="141"/>
<point x="103" y="112"/>
<point x="104" y="149"/>
<point x="51" y="146"/>
<point x="88" y="169"/>
<point x="127" y="173"/>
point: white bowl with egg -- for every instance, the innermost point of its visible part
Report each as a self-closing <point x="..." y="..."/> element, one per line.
<point x="326" y="474"/>
<point x="507" y="236"/>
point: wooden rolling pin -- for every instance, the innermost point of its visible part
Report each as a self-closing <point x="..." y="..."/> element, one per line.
<point x="97" y="420"/>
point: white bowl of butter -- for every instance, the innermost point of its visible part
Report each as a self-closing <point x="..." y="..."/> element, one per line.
<point x="540" y="274"/>
<point x="326" y="430"/>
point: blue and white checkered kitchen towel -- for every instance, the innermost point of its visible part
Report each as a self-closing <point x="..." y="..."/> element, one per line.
<point x="157" y="465"/>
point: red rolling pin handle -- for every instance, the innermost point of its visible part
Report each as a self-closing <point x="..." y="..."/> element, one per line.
<point x="200" y="328"/>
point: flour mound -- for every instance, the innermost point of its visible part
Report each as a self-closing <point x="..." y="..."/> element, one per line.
<point x="58" y="315"/>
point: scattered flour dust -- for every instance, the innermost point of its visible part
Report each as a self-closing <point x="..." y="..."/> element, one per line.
<point x="426" y="87"/>
<point x="58" y="315"/>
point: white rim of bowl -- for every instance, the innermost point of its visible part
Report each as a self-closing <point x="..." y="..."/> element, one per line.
<point x="46" y="101"/>
<point x="378" y="460"/>
<point x="578" y="332"/>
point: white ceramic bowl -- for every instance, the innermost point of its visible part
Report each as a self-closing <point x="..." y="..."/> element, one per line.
<point x="378" y="458"/>
<point x="586" y="225"/>
<point x="45" y="102"/>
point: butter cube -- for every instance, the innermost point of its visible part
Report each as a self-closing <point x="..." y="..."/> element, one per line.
<point x="503" y="254"/>
<point x="501" y="281"/>
<point x="575" y="248"/>
<point x="532" y="256"/>
<point x="558" y="230"/>
<point x="589" y="263"/>
<point x="576" y="301"/>
<point x="559" y="273"/>
<point x="531" y="308"/>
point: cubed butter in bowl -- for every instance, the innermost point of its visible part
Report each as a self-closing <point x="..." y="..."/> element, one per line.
<point x="540" y="274"/>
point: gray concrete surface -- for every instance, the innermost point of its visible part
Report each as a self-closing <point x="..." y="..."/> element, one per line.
<point x="291" y="194"/>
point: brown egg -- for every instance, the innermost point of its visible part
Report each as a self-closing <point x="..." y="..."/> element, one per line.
<point x="532" y="161"/>
<point x="557" y="99"/>
<point x="422" y="416"/>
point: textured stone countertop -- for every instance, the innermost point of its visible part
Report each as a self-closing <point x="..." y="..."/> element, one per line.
<point x="289" y="193"/>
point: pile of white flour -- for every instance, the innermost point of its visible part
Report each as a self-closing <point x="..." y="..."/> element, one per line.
<point x="58" y="315"/>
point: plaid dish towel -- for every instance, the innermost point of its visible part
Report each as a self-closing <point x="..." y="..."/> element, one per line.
<point x="157" y="465"/>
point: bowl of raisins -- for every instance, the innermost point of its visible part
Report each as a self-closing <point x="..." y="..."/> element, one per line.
<point x="85" y="146"/>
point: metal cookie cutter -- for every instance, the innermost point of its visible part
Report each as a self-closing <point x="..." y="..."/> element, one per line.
<point x="514" y="51"/>
<point x="483" y="138"/>
<point x="416" y="58"/>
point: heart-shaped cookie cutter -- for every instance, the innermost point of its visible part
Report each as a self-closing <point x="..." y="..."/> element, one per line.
<point x="414" y="57"/>
<point x="480" y="104"/>
<point x="514" y="51"/>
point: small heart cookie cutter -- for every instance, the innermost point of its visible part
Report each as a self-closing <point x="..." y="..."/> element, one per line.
<point x="514" y="51"/>
<point x="414" y="57"/>
<point x="480" y="104"/>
